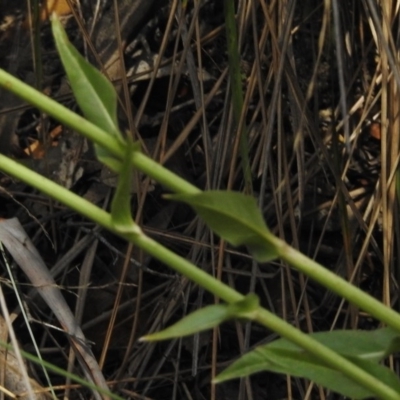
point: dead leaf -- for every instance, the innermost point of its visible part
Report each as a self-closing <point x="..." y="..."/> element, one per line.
<point x="60" y="7"/>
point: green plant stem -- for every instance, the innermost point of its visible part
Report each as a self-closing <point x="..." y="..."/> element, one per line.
<point x="162" y="175"/>
<point x="176" y="184"/>
<point x="94" y="134"/>
<point x="200" y="277"/>
<point x="103" y="218"/>
<point x="328" y="356"/>
<point x="336" y="284"/>
<point x="60" y="113"/>
<point x="236" y="88"/>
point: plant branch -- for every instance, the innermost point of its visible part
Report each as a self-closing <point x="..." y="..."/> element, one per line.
<point x="197" y="275"/>
<point x="94" y="134"/>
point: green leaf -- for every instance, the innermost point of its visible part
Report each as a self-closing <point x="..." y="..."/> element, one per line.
<point x="94" y="93"/>
<point x="246" y="308"/>
<point x="200" y="320"/>
<point x="208" y="317"/>
<point x="121" y="215"/>
<point x="235" y="217"/>
<point x="369" y="345"/>
<point x="306" y="366"/>
<point x="363" y="348"/>
<point x="384" y="374"/>
<point x="286" y="362"/>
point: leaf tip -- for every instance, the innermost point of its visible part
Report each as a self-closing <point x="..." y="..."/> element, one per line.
<point x="216" y="380"/>
<point x="153" y="337"/>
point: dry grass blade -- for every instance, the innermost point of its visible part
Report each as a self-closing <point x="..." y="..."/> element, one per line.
<point x="13" y="371"/>
<point x="25" y="254"/>
<point x="320" y="83"/>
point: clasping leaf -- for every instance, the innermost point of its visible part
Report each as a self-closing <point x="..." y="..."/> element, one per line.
<point x="236" y="218"/>
<point x="94" y="93"/>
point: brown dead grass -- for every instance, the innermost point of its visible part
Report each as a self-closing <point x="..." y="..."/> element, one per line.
<point x="320" y="110"/>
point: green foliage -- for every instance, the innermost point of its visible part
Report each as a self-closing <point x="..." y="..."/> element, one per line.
<point x="364" y="348"/>
<point x="236" y="218"/>
<point x="236" y="79"/>
<point x="344" y="361"/>
<point x="209" y="317"/>
<point x="94" y="93"/>
<point x="121" y="204"/>
<point x="298" y="363"/>
<point x="97" y="99"/>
